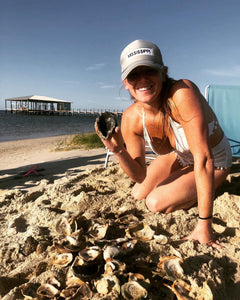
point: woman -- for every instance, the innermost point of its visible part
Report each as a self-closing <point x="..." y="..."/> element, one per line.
<point x="194" y="156"/>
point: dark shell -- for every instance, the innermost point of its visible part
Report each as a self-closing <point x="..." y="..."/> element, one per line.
<point x="106" y="124"/>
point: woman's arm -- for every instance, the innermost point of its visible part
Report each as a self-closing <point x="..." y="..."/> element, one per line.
<point x="192" y="117"/>
<point x="132" y="157"/>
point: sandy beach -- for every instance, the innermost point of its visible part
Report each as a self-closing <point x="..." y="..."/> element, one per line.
<point x="72" y="203"/>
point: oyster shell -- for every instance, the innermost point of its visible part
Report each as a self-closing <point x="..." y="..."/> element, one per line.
<point x="140" y="231"/>
<point x="107" y="284"/>
<point x="129" y="220"/>
<point x="88" y="263"/>
<point x="105" y="125"/>
<point x="133" y="290"/>
<point x="47" y="290"/>
<point x="98" y="231"/>
<point x="90" y="253"/>
<point x="76" y="293"/>
<point x="66" y="226"/>
<point x="170" y="265"/>
<point x="111" y="251"/>
<point x="181" y="289"/>
<point x="161" y="239"/>
<point x="62" y="259"/>
<point x="114" y="266"/>
<point x="29" y="290"/>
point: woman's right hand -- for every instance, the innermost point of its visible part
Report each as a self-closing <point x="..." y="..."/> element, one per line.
<point x="115" y="142"/>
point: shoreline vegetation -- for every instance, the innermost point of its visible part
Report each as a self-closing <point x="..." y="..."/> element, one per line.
<point x="84" y="141"/>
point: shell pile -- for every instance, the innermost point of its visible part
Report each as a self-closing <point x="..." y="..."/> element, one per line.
<point x="104" y="257"/>
<point x="105" y="125"/>
<point x="83" y="236"/>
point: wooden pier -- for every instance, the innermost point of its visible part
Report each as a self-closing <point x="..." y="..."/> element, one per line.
<point x="41" y="105"/>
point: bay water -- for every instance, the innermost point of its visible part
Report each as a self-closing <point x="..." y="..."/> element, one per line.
<point x="19" y="126"/>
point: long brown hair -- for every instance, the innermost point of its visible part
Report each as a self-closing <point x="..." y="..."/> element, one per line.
<point x="167" y="106"/>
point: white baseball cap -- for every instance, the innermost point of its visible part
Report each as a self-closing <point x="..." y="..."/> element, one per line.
<point x="140" y="53"/>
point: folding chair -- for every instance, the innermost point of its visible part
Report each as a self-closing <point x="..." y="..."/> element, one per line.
<point x="225" y="102"/>
<point x="150" y="155"/>
<point x="107" y="157"/>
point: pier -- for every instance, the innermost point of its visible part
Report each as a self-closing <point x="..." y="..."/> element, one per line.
<point x="41" y="105"/>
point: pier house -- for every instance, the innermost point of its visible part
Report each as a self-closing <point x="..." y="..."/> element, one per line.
<point x="35" y="104"/>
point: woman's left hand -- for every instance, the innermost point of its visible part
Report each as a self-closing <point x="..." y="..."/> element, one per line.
<point x="203" y="234"/>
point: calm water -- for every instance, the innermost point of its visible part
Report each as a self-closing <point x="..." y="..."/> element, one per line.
<point x="17" y="126"/>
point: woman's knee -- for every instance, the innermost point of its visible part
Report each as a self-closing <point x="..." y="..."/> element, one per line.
<point x="137" y="192"/>
<point x="153" y="204"/>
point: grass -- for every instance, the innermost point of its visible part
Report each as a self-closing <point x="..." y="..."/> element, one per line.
<point x="84" y="141"/>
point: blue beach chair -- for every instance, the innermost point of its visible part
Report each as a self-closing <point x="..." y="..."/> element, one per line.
<point x="225" y="102"/>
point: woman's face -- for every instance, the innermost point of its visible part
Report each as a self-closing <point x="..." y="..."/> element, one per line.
<point x="144" y="84"/>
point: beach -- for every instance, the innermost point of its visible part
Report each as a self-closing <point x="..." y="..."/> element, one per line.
<point x="41" y="188"/>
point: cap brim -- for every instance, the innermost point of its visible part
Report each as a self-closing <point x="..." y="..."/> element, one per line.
<point x="139" y="64"/>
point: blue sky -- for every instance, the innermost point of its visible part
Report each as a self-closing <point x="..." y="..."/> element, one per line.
<point x="69" y="49"/>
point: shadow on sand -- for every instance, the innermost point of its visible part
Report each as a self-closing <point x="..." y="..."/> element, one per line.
<point x="51" y="170"/>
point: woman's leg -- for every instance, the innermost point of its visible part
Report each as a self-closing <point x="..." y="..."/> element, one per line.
<point x="160" y="169"/>
<point x="178" y="191"/>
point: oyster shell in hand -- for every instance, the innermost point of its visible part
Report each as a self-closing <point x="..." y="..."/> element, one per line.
<point x="105" y="125"/>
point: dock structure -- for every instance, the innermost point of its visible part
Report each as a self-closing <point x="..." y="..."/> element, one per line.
<point x="39" y="105"/>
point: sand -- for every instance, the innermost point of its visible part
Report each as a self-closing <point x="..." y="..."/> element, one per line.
<point x="75" y="185"/>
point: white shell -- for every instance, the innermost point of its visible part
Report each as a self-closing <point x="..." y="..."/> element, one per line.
<point x="133" y="290"/>
<point x="162" y="239"/>
<point x="90" y="253"/>
<point x="140" y="231"/>
<point x="111" y="251"/>
<point x="181" y="289"/>
<point x="65" y="226"/>
<point x="171" y="266"/>
<point x="107" y="284"/>
<point x="114" y="266"/>
<point x="62" y="259"/>
<point x="98" y="231"/>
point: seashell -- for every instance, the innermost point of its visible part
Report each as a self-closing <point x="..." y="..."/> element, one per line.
<point x="73" y="241"/>
<point x="81" y="292"/>
<point x="128" y="246"/>
<point x="62" y="259"/>
<point x="90" y="253"/>
<point x="29" y="290"/>
<point x="69" y="292"/>
<point x="61" y="248"/>
<point x="171" y="266"/>
<point x="128" y="219"/>
<point x="87" y="264"/>
<point x="162" y="239"/>
<point x="140" y="231"/>
<point x="70" y="244"/>
<point x="63" y="226"/>
<point x="133" y="290"/>
<point x="105" y="125"/>
<point x="71" y="279"/>
<point x="114" y="266"/>
<point x="181" y="289"/>
<point x="111" y="251"/>
<point x="47" y="290"/>
<point x="98" y="231"/>
<point x="107" y="284"/>
<point x="53" y="281"/>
